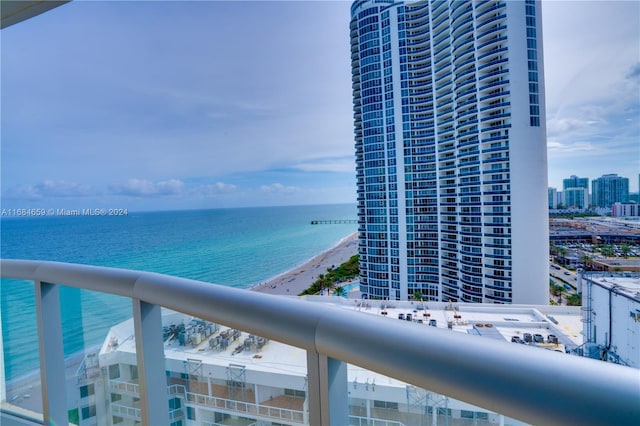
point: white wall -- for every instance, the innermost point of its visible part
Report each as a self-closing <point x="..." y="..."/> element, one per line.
<point x="528" y="158"/>
<point x="625" y="329"/>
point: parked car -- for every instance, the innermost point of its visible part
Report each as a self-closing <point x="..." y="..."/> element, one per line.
<point x="528" y="338"/>
<point x="516" y="339"/>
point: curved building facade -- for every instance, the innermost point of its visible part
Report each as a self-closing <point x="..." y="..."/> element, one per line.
<point x="450" y="146"/>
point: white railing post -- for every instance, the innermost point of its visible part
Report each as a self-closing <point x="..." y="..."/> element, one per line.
<point x="3" y="387"/>
<point x="147" y="322"/>
<point x="52" y="368"/>
<point x="338" y="393"/>
<point x="327" y="386"/>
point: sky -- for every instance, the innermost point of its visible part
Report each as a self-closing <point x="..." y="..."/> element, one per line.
<point x="157" y="105"/>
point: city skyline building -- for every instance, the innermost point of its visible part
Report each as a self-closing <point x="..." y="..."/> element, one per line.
<point x="625" y="209"/>
<point x="575" y="192"/>
<point x="451" y="158"/>
<point x="609" y="189"/>
<point x="552" y="194"/>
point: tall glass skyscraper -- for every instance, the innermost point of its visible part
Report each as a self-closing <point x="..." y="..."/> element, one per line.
<point x="450" y="146"/>
<point x="575" y="192"/>
<point x="609" y="189"/>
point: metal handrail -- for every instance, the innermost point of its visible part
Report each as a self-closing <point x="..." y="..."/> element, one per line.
<point x="535" y="386"/>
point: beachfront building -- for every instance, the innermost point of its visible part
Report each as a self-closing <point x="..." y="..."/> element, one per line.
<point x="221" y="376"/>
<point x="609" y="189"/>
<point x="450" y="146"/>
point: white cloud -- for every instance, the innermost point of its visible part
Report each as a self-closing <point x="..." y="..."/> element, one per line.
<point x="556" y="147"/>
<point x="49" y="189"/>
<point x="342" y="164"/>
<point x="224" y="187"/>
<point x="570" y="125"/>
<point x="278" y="188"/>
<point x="214" y="189"/>
<point x="145" y="188"/>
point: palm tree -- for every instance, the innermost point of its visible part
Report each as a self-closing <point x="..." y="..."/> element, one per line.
<point x="561" y="254"/>
<point x="340" y="291"/>
<point x="561" y="290"/>
<point x="607" y="251"/>
<point x="325" y="281"/>
<point x="556" y="290"/>
<point x="574" y="300"/>
<point x="322" y="283"/>
<point x="625" y="250"/>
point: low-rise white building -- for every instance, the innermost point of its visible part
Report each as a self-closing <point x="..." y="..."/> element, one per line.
<point x="625" y="210"/>
<point x="220" y="376"/>
<point x="611" y="315"/>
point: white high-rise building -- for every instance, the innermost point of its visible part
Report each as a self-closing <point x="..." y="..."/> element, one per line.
<point x="451" y="153"/>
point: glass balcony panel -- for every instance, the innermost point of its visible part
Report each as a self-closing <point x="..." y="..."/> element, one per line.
<point x="88" y="335"/>
<point x="92" y="333"/>
<point x="21" y="359"/>
<point x="219" y="373"/>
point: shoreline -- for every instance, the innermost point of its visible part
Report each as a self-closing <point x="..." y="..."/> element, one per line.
<point x="25" y="391"/>
<point x="300" y="278"/>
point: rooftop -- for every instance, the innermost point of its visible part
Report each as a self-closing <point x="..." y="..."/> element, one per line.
<point x="218" y="347"/>
<point x="627" y="284"/>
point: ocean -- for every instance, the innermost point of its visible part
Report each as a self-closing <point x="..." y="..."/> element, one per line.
<point x="239" y="247"/>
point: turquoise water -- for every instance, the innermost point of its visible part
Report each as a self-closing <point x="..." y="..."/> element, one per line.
<point x="348" y="288"/>
<point x="234" y="247"/>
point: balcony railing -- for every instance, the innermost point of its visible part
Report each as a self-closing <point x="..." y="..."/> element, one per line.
<point x="246" y="408"/>
<point x="124" y="387"/>
<point x="534" y="386"/>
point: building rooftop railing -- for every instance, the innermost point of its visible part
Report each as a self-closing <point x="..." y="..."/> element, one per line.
<point x="534" y="386"/>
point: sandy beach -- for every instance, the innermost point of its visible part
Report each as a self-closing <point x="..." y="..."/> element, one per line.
<point x="25" y="392"/>
<point x="297" y="280"/>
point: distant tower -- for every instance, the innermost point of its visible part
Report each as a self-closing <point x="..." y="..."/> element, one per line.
<point x="609" y="189"/>
<point x="552" y="195"/>
<point x="575" y="192"/>
<point x="451" y="157"/>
